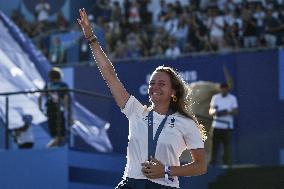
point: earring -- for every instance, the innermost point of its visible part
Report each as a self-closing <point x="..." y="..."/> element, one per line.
<point x="174" y="98"/>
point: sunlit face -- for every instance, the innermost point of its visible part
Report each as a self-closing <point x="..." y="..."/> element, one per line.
<point x="160" y="88"/>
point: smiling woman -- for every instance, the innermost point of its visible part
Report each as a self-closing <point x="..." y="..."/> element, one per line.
<point x="157" y="134"/>
<point x="160" y="91"/>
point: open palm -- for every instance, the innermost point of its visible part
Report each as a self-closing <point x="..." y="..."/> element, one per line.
<point x="84" y="23"/>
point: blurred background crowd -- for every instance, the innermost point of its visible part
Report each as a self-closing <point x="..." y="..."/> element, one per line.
<point x="130" y="29"/>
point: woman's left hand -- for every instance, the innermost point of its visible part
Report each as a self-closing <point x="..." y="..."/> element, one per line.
<point x="153" y="169"/>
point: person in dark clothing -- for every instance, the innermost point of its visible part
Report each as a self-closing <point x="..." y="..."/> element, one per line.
<point x="57" y="102"/>
<point x="274" y="29"/>
<point x="250" y="32"/>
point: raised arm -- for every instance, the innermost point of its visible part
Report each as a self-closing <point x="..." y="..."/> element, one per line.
<point x="105" y="66"/>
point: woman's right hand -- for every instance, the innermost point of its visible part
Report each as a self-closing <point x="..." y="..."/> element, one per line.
<point x="84" y="23"/>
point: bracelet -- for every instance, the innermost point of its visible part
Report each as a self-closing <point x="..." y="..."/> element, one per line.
<point x="166" y="177"/>
<point x="92" y="39"/>
<point x="168" y="174"/>
<point x="89" y="37"/>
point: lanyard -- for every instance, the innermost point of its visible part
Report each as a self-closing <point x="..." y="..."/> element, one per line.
<point x="152" y="144"/>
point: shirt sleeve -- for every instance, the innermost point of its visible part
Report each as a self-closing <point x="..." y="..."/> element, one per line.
<point x="213" y="101"/>
<point x="63" y="85"/>
<point x="133" y="106"/>
<point x="192" y="136"/>
<point x="234" y="102"/>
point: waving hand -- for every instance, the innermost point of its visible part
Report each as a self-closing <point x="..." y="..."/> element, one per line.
<point x="84" y="23"/>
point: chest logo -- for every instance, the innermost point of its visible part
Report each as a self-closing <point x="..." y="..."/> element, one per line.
<point x="145" y="118"/>
<point x="172" y="123"/>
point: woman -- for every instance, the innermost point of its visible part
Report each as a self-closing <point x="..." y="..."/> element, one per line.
<point x="153" y="163"/>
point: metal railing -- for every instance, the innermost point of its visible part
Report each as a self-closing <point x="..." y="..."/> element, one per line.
<point x="7" y="96"/>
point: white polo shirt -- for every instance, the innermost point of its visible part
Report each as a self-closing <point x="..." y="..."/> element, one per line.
<point x="228" y="103"/>
<point x="178" y="134"/>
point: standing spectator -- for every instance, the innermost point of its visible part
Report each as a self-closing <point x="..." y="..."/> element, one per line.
<point x="134" y="18"/>
<point x="223" y="107"/>
<point x="181" y="31"/>
<point x="43" y="46"/>
<point x="100" y="26"/>
<point x="57" y="103"/>
<point x="103" y="9"/>
<point x="56" y="52"/>
<point x="84" y="53"/>
<point x="232" y="36"/>
<point x="126" y="8"/>
<point x="228" y="16"/>
<point x="61" y="22"/>
<point x="250" y="32"/>
<point x="146" y="43"/>
<point x="173" y="50"/>
<point x="116" y="13"/>
<point x="178" y="7"/>
<point x="273" y="29"/>
<point x="113" y="30"/>
<point x="198" y="39"/>
<point x="146" y="16"/>
<point x="171" y="22"/>
<point x="160" y="11"/>
<point x="161" y="37"/>
<point x="215" y="24"/>
<point x="21" y="22"/>
<point x="259" y="15"/>
<point x="233" y="17"/>
<point x="42" y="11"/>
<point x="193" y="42"/>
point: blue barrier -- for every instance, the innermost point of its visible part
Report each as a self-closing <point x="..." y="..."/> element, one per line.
<point x="62" y="168"/>
<point x="34" y="169"/>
